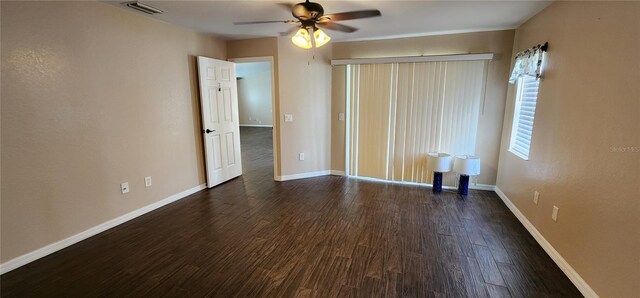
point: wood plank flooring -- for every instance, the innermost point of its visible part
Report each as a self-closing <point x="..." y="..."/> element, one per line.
<point x="320" y="237"/>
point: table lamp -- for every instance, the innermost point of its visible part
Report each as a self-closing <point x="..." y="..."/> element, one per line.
<point x="441" y="164"/>
<point x="466" y="166"/>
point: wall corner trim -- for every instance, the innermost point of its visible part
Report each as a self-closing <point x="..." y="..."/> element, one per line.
<point x="56" y="246"/>
<point x="571" y="273"/>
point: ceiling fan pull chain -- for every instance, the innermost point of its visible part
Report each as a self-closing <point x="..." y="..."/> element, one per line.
<point x="313" y="52"/>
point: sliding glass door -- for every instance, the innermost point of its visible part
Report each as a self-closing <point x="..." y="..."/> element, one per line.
<point x="399" y="112"/>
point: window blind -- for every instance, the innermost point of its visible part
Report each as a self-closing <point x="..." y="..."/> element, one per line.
<point x="399" y="112"/>
<point x="525" y="109"/>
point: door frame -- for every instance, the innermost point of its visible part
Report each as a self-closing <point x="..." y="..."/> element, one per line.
<point x="276" y="118"/>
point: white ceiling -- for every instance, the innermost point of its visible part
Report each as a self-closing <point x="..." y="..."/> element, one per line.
<point x="399" y="18"/>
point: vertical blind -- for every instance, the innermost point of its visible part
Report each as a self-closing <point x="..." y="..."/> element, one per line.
<point x="399" y="112"/>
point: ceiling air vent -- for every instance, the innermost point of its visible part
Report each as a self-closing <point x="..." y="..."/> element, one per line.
<point x="143" y="7"/>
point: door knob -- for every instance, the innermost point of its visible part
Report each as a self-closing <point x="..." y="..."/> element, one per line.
<point x="209" y="130"/>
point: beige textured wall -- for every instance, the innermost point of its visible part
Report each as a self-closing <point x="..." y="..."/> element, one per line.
<point x="0" y="138"/>
<point x="588" y="105"/>
<point x="490" y="122"/>
<point x="263" y="47"/>
<point x="255" y="97"/>
<point x="305" y="92"/>
<point x="92" y="96"/>
<point x="338" y="127"/>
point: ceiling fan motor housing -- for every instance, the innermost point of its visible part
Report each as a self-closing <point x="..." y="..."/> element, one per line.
<point x="307" y="10"/>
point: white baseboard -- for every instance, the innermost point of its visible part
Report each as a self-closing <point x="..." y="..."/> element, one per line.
<point x="302" y="175"/>
<point x="471" y="186"/>
<point x="256" y="125"/>
<point x="571" y="273"/>
<point x="477" y="187"/>
<point x="51" y="248"/>
<point x="342" y="173"/>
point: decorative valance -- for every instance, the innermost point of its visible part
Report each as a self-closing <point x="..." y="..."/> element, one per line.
<point x="528" y="63"/>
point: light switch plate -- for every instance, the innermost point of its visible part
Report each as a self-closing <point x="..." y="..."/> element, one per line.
<point x="554" y="214"/>
<point x="147" y="181"/>
<point x="301" y="156"/>
<point x="341" y="116"/>
<point x="288" y="117"/>
<point x="124" y="187"/>
<point x="536" y="197"/>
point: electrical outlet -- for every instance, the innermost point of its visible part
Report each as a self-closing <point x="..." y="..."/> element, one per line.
<point x="288" y="117"/>
<point x="301" y="156"/>
<point x="536" y="197"/>
<point x="124" y="187"/>
<point x="147" y="181"/>
<point x="341" y="116"/>
<point x="554" y="214"/>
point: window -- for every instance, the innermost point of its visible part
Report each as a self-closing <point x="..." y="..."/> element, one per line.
<point x="525" y="110"/>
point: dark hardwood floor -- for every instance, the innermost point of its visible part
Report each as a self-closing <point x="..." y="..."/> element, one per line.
<point x="326" y="237"/>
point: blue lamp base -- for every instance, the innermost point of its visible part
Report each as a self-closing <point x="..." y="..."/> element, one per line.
<point x="463" y="186"/>
<point x="437" y="182"/>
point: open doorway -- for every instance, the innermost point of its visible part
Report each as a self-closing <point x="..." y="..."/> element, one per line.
<point x="255" y="81"/>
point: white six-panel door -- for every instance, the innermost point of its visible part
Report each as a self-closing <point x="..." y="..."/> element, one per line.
<point x="221" y="128"/>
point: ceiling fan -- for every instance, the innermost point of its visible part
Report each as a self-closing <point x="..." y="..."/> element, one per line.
<point x="310" y="18"/>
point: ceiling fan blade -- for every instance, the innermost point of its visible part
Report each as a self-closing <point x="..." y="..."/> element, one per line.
<point x="352" y="15"/>
<point x="290" y="31"/>
<point x="337" y="27"/>
<point x="264" y="22"/>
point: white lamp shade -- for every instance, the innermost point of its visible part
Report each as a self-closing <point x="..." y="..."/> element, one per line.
<point x="441" y="162"/>
<point x="302" y="39"/>
<point x="320" y="38"/>
<point x="467" y="165"/>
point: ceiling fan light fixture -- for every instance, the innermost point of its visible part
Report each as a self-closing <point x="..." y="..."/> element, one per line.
<point x="320" y="37"/>
<point x="309" y="16"/>
<point x="302" y="39"/>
